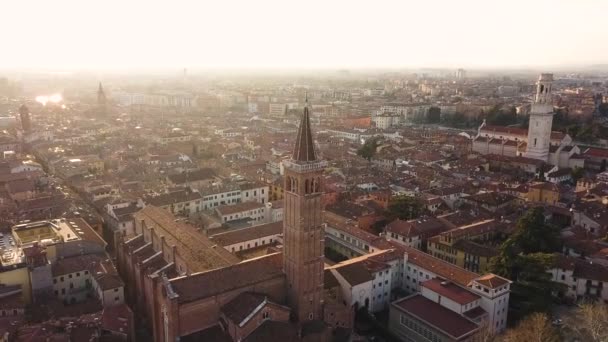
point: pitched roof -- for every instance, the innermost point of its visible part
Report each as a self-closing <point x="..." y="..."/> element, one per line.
<point x="247" y="234"/>
<point x="305" y="147"/>
<point x="450" y="290"/>
<point x="221" y="280"/>
<point x="435" y="315"/>
<point x="492" y="280"/>
<point x="273" y="331"/>
<point x="242" y="306"/>
<point x="441" y="268"/>
<point x="193" y="176"/>
<point x="427" y="226"/>
<point x="238" y="208"/>
<point x="355" y="273"/>
<point x="199" y="253"/>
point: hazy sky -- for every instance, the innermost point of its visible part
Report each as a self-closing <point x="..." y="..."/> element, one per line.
<point x="65" y="34"/>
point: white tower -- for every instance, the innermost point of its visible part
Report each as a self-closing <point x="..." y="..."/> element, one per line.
<point x="541" y="120"/>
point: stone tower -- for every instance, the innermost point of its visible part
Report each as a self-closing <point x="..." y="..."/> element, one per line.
<point x="541" y="120"/>
<point x="101" y="100"/>
<point x="24" y="115"/>
<point x="303" y="232"/>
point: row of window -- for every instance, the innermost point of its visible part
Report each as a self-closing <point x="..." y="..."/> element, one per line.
<point x="255" y="245"/>
<point x="423" y="331"/>
<point x="61" y="279"/>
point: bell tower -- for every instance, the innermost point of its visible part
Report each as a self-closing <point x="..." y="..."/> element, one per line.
<point x="541" y="120"/>
<point x="101" y="100"/>
<point x="303" y="231"/>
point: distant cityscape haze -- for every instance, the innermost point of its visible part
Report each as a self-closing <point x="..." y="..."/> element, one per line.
<point x="272" y="34"/>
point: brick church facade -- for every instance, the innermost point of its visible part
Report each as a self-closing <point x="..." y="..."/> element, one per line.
<point x="184" y="288"/>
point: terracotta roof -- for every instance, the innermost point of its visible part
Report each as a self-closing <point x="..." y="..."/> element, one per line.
<point x="591" y="271"/>
<point x="545" y="186"/>
<point x="179" y="196"/>
<point x="117" y="318"/>
<point x="242" y="306"/>
<point x="505" y="130"/>
<point x="238" y="208"/>
<point x="475" y="313"/>
<point x="212" y="334"/>
<point x="441" y="268"/>
<point x="76" y="264"/>
<point x="437" y="316"/>
<point x="474" y="248"/>
<point x="355" y="273"/>
<point x="596" y="152"/>
<point x="491" y="198"/>
<point x="492" y="280"/>
<point x="247" y="234"/>
<point x="352" y="230"/>
<point x="423" y="226"/>
<point x="450" y="290"/>
<point x="273" y="331"/>
<point x="473" y="229"/>
<point x="304" y="149"/>
<point x="221" y="280"/>
<point x="199" y="253"/>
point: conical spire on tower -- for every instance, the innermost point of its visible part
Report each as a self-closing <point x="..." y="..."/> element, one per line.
<point x="305" y="146"/>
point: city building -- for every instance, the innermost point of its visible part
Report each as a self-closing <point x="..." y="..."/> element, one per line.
<point x="186" y="286"/>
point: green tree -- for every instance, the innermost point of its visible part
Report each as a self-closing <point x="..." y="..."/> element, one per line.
<point x="603" y="109"/>
<point x="499" y="116"/>
<point x="577" y="173"/>
<point x="533" y="234"/>
<point x="405" y="208"/>
<point x="525" y="257"/>
<point x="434" y="115"/>
<point x="368" y="150"/>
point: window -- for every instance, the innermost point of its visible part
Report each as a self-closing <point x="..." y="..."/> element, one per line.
<point x="116" y="298"/>
<point x="61" y="279"/>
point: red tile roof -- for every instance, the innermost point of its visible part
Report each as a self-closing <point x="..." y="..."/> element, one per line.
<point x="450" y="290"/>
<point x="437" y="316"/>
<point x="492" y="280"/>
<point x="214" y="282"/>
<point x="441" y="268"/>
<point x="246" y="234"/>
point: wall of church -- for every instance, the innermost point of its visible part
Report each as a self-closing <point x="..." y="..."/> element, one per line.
<point x="269" y="312"/>
<point x="205" y="313"/>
